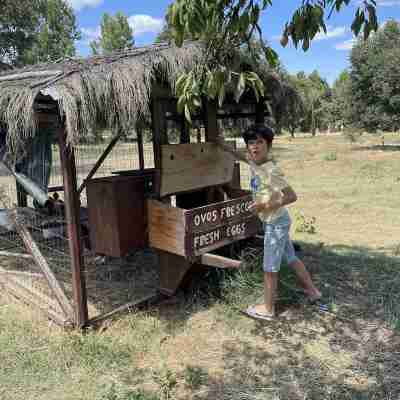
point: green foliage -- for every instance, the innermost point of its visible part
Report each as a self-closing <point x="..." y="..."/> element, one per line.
<point x="375" y="80"/>
<point x="57" y="33"/>
<point x="167" y="381"/>
<point x="116" y="34"/>
<point x="309" y="19"/>
<point x="115" y="392"/>
<point x="194" y="377"/>
<point x="313" y="91"/>
<point x="39" y="31"/>
<point x="337" y="106"/>
<point x="332" y="156"/>
<point x="226" y="26"/>
<point x="303" y="224"/>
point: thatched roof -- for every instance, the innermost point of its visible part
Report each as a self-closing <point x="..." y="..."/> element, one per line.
<point x="114" y="88"/>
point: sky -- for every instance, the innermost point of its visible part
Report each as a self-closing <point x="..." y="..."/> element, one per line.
<point x="329" y="53"/>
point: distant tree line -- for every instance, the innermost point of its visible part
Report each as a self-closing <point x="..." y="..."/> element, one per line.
<point x="365" y="96"/>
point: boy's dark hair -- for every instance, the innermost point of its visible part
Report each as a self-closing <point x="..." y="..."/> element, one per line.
<point x="259" y="130"/>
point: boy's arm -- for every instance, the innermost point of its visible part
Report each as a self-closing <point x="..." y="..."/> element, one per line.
<point x="288" y="196"/>
<point x="236" y="153"/>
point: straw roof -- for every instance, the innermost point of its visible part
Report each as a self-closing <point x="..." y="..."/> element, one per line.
<point x="112" y="88"/>
<point x="115" y="87"/>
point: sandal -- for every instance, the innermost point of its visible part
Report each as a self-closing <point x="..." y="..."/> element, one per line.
<point x="253" y="313"/>
<point x="317" y="301"/>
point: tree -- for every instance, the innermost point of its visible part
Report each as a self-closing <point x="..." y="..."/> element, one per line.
<point x="116" y="34"/>
<point x="375" y="80"/>
<point x="56" y="35"/>
<point x="313" y="91"/>
<point x="337" y="106"/>
<point x="18" y="21"/>
<point x="35" y="31"/>
<point x="225" y="26"/>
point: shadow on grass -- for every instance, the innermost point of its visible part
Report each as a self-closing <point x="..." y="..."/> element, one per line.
<point x="351" y="352"/>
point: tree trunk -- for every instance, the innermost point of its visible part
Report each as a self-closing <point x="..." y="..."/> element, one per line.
<point x="313" y="128"/>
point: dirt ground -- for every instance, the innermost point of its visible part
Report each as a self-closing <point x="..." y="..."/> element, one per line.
<point x="199" y="347"/>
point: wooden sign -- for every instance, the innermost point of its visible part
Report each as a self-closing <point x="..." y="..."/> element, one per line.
<point x="216" y="225"/>
<point x="192" y="233"/>
<point x="192" y="166"/>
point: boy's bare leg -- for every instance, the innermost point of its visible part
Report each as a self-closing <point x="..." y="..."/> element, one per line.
<point x="305" y="280"/>
<point x="270" y="293"/>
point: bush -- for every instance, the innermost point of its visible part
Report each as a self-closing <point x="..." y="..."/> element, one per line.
<point x="330" y="156"/>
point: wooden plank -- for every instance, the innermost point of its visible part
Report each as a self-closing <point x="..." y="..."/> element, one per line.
<point x="22" y="273"/>
<point x="214" y="260"/>
<point x="47" y="272"/>
<point x="172" y="270"/>
<point x="122" y="308"/>
<point x="193" y="166"/>
<point x="166" y="227"/>
<point x="30" y="299"/>
<point x="214" y="215"/>
<point x="203" y="242"/>
<point x="99" y="162"/>
<point x="74" y="228"/>
<point x="17" y="255"/>
<point x="117" y="216"/>
<point x="29" y="289"/>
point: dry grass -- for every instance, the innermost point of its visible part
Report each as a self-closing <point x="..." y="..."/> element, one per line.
<point x="196" y="349"/>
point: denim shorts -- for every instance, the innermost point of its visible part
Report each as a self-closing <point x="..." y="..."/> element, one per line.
<point x="277" y="244"/>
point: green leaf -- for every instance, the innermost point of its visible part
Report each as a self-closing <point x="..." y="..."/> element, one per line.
<point x="187" y="114"/>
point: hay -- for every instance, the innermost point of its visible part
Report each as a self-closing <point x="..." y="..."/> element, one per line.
<point x="114" y="88"/>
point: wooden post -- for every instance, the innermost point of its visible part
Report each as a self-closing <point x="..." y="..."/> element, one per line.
<point x="260" y="116"/>
<point x="99" y="162"/>
<point x="212" y="132"/>
<point x="140" y="147"/>
<point x="72" y="206"/>
<point x="46" y="270"/>
<point x="22" y="198"/>
<point x="211" y="121"/>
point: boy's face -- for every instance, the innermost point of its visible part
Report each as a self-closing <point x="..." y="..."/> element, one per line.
<point x="258" y="149"/>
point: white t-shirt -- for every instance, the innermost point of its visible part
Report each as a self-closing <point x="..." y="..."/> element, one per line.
<point x="267" y="182"/>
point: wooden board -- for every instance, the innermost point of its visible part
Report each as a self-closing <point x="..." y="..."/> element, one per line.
<point x="187" y="167"/>
<point x="198" y="243"/>
<point x="191" y="233"/>
<point x="166" y="227"/>
<point x="117" y="214"/>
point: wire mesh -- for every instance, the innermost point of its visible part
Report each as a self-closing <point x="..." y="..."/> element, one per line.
<point x="110" y="282"/>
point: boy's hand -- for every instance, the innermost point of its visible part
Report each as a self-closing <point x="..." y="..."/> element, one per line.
<point x="258" y="207"/>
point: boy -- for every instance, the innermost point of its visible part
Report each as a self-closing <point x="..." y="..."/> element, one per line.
<point x="271" y="194"/>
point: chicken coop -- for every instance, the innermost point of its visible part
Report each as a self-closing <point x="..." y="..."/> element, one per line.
<point x="92" y="226"/>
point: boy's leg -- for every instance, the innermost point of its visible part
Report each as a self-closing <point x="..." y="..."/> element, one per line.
<point x="305" y="280"/>
<point x="303" y="276"/>
<point x="270" y="291"/>
<point x="270" y="294"/>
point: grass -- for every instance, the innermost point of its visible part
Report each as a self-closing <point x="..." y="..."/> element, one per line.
<point x="201" y="347"/>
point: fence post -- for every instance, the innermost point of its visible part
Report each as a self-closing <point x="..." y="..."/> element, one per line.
<point x="72" y="207"/>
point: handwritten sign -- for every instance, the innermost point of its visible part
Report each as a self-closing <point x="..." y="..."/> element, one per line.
<point x="219" y="224"/>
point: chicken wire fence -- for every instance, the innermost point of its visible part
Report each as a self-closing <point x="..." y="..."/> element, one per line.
<point x="110" y="282"/>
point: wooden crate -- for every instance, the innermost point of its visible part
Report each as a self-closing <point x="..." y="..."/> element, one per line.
<point x="117" y="215"/>
<point x="191" y="233"/>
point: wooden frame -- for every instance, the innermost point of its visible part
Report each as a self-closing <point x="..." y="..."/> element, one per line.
<point x="184" y="235"/>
